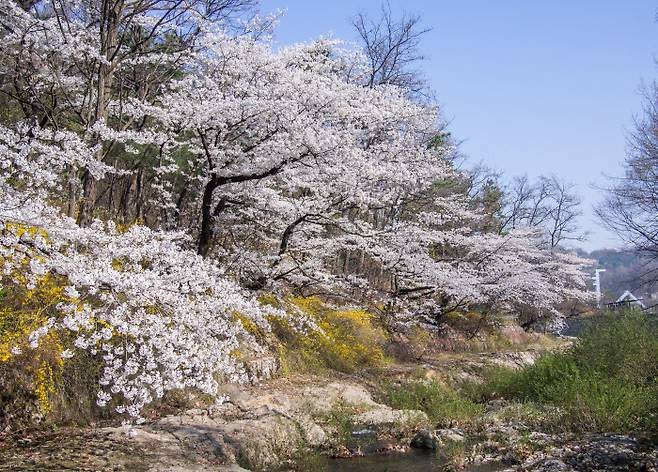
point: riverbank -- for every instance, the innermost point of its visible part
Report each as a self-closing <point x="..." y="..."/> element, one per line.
<point x="290" y="423"/>
<point x="299" y="423"/>
<point x="548" y="405"/>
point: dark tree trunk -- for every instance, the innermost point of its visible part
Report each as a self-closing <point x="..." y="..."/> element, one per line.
<point x="206" y="232"/>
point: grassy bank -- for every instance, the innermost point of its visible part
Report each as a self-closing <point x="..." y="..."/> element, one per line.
<point x="606" y="382"/>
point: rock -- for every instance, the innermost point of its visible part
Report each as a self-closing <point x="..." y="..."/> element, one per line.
<point x="387" y="416"/>
<point x="259" y="428"/>
<point x="235" y="393"/>
<point x="321" y="399"/>
<point x="538" y="437"/>
<point x="263" y="443"/>
<point x="593" y="452"/>
<point x="232" y="468"/>
<point x="451" y="434"/>
<point x="425" y="439"/>
<point x="392" y="449"/>
<point x="514" y="359"/>
<point x="553" y="465"/>
<point x="352" y="394"/>
<point x="428" y="439"/>
<point x="263" y="368"/>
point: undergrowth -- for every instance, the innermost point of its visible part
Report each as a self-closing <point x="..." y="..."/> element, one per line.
<point x="608" y="381"/>
<point x="444" y="406"/>
<point x="42" y="383"/>
<point x="348" y="339"/>
<point x="36" y="384"/>
<point x="340" y="421"/>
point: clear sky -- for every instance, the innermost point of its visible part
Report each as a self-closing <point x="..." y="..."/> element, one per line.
<point x="532" y="86"/>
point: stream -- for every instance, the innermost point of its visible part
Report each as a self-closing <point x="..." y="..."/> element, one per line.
<point x="364" y="439"/>
<point x="417" y="460"/>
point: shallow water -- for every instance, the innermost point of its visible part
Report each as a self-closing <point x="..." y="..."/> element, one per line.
<point x="416" y="460"/>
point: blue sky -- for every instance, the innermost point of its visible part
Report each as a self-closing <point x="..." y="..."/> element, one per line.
<point x="532" y="87"/>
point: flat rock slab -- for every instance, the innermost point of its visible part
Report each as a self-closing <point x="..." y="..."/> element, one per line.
<point x="72" y="449"/>
<point x="259" y="429"/>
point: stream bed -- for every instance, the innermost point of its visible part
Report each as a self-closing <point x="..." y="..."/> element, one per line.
<point x="364" y="439"/>
<point x="416" y="460"/>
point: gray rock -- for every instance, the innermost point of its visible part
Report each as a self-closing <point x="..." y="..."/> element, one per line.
<point x="425" y="439"/>
<point x="386" y="416"/>
<point x="263" y="368"/>
<point x="451" y="434"/>
<point x="232" y="468"/>
<point x="593" y="452"/>
<point x="555" y="465"/>
<point x="428" y="439"/>
<point x="260" y="428"/>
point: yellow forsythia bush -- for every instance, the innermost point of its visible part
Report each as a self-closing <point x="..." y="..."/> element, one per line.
<point x="347" y="338"/>
<point x="38" y="383"/>
<point x="28" y="377"/>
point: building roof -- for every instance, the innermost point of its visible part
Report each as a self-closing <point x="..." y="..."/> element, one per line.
<point x="627" y="296"/>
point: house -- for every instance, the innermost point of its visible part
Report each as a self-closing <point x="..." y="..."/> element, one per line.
<point x="627" y="300"/>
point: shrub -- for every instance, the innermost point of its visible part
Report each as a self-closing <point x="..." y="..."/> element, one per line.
<point x="536" y="383"/>
<point x="40" y="384"/>
<point x="347" y="338"/>
<point x="623" y="346"/>
<point x="412" y="344"/>
<point x="28" y="378"/>
<point x="606" y="382"/>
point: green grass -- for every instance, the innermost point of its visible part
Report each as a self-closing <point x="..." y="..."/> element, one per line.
<point x="608" y="381"/>
<point x="339" y="420"/>
<point x="445" y="407"/>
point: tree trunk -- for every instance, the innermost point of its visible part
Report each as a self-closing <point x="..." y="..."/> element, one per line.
<point x="206" y="232"/>
<point x="110" y="15"/>
<point x="139" y="196"/>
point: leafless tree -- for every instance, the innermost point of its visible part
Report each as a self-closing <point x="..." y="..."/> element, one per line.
<point x="549" y="203"/>
<point x="479" y="177"/>
<point x="392" y="48"/>
<point x="563" y="210"/>
<point x="519" y="194"/>
<point x="630" y="207"/>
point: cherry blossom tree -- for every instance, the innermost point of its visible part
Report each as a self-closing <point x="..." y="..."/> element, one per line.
<point x="65" y="62"/>
<point x="288" y="137"/>
<point x="249" y="169"/>
<point x="159" y="316"/>
<point x="298" y="165"/>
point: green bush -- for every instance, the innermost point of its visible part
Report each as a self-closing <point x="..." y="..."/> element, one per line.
<point x="540" y="382"/>
<point x="444" y="406"/>
<point x="622" y="346"/>
<point x="608" y="381"/>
